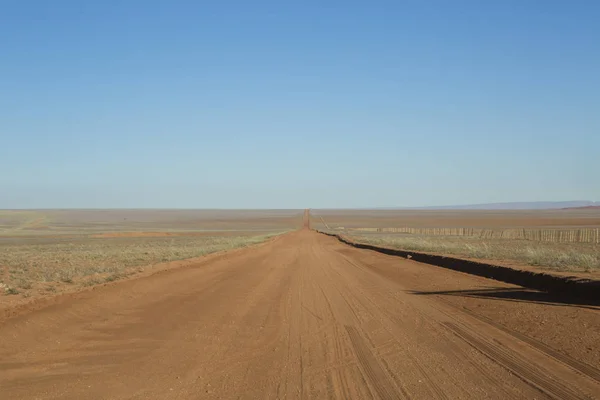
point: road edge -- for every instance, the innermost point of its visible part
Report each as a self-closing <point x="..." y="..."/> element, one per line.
<point x="570" y="286"/>
<point x="39" y="303"/>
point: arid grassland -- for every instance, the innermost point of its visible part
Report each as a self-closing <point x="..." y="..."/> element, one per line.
<point x="91" y="261"/>
<point x="50" y="250"/>
<point x="581" y="257"/>
<point x="568" y="239"/>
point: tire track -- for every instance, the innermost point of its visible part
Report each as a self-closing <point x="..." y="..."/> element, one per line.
<point x="344" y="312"/>
<point x="375" y="374"/>
<point x="555" y="385"/>
<point x="290" y="319"/>
<point x="382" y="315"/>
<point x="537" y="378"/>
<point x="582" y="368"/>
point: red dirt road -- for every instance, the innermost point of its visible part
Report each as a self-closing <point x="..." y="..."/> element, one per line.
<point x="303" y="317"/>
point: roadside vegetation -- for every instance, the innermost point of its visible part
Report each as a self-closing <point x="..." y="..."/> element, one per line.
<point x="26" y="264"/>
<point x="580" y="257"/>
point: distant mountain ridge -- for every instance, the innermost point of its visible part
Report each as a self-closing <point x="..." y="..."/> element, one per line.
<point x="522" y="205"/>
<point x="583" y="208"/>
<point x="525" y="205"/>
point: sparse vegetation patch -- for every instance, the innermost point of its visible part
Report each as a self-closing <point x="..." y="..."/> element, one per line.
<point x="88" y="261"/>
<point x="583" y="257"/>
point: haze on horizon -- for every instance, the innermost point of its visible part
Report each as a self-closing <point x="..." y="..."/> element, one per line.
<point x="268" y="105"/>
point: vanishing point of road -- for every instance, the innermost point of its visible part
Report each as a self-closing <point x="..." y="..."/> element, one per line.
<point x="302" y="316"/>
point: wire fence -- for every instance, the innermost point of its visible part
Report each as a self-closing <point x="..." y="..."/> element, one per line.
<point x="578" y="235"/>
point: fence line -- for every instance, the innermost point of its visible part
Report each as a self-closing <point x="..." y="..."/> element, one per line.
<point x="579" y="235"/>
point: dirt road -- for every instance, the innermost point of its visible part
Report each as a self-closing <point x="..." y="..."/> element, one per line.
<point x="303" y="317"/>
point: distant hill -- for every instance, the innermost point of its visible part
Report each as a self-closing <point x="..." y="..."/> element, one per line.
<point x="534" y="205"/>
<point x="583" y="208"/>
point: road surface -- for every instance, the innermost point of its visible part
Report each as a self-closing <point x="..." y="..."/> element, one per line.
<point x="300" y="317"/>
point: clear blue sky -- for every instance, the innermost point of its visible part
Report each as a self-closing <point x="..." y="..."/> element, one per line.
<point x="298" y="104"/>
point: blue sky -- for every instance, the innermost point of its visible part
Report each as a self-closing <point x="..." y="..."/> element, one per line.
<point x="272" y="104"/>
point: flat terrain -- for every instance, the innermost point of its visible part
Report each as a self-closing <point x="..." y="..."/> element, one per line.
<point x="567" y="218"/>
<point x="498" y="236"/>
<point x="579" y="259"/>
<point x="76" y="222"/>
<point x="45" y="252"/>
<point x="303" y="317"/>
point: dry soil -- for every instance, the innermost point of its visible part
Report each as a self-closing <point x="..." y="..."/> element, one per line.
<point x="303" y="317"/>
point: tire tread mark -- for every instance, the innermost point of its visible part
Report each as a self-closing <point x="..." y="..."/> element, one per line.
<point x="375" y="374"/>
<point x="544" y="383"/>
<point x="577" y="365"/>
<point x="431" y="382"/>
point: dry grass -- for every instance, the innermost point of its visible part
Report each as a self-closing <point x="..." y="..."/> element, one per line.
<point x="88" y="261"/>
<point x="24" y="223"/>
<point x="555" y="256"/>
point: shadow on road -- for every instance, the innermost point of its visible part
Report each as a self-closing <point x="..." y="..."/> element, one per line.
<point x="518" y="295"/>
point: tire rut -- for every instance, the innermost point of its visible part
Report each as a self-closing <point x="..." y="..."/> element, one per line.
<point x="345" y="313"/>
<point x="375" y="374"/>
<point x="560" y="386"/>
<point x="290" y="319"/>
<point x="581" y="367"/>
<point x="537" y="378"/>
